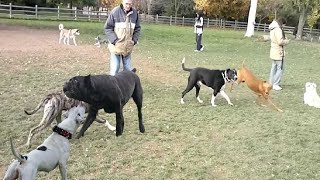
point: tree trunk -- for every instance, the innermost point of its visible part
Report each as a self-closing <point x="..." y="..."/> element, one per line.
<point x="302" y="21"/>
<point x="252" y="18"/>
<point x="149" y="3"/>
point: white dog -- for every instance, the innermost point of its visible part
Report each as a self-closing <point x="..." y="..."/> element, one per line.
<point x="311" y="97"/>
<point x="53" y="152"/>
<point x="67" y="34"/>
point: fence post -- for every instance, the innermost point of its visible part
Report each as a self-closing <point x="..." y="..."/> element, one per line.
<point x="99" y="14"/>
<point x="170" y="20"/>
<point x="89" y="12"/>
<point x="157" y="19"/>
<point x="75" y="13"/>
<point x="58" y="12"/>
<point x="235" y="24"/>
<point x="10" y="8"/>
<point x="36" y="11"/>
<point x="208" y="23"/>
<point x="182" y="20"/>
<point x="264" y="28"/>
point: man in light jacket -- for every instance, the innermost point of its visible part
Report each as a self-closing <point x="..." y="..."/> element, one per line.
<point x="277" y="52"/>
<point x="123" y="30"/>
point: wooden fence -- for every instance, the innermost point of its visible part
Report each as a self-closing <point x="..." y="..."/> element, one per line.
<point x="27" y="12"/>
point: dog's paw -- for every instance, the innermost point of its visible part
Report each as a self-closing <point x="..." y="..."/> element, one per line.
<point x="79" y="136"/>
<point x="181" y="101"/>
<point x="230" y="104"/>
<point x="213" y="105"/>
<point x="111" y="128"/>
<point x="141" y="128"/>
<point x="280" y="110"/>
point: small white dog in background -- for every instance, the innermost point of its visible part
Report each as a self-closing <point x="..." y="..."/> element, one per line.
<point x="53" y="152"/>
<point x="311" y="96"/>
<point x="101" y="39"/>
<point x="67" y="34"/>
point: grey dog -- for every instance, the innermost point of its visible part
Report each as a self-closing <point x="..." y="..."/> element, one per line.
<point x="53" y="152"/>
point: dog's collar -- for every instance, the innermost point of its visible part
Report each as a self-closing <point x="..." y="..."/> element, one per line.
<point x="225" y="77"/>
<point x="62" y="132"/>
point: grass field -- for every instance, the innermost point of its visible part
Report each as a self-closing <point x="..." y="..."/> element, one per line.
<point x="190" y="141"/>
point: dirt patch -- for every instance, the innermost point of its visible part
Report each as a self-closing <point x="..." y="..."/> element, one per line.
<point x="23" y="46"/>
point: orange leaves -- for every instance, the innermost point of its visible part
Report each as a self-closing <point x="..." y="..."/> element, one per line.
<point x="227" y="9"/>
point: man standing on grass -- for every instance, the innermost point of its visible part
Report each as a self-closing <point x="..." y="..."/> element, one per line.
<point x="277" y="53"/>
<point x="123" y="30"/>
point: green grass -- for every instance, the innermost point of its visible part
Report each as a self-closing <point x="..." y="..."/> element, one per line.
<point x="191" y="141"/>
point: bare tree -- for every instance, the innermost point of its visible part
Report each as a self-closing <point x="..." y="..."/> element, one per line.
<point x="252" y="18"/>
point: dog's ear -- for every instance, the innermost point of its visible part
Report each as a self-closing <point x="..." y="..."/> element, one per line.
<point x="134" y="70"/>
<point x="87" y="81"/>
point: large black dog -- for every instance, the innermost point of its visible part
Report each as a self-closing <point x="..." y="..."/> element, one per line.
<point x="106" y="92"/>
<point x="214" y="79"/>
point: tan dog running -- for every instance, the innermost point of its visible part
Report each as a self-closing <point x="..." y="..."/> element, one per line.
<point x="261" y="88"/>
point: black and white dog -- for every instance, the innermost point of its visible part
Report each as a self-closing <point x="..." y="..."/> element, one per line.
<point x="101" y="39"/>
<point x="107" y="92"/>
<point x="214" y="79"/>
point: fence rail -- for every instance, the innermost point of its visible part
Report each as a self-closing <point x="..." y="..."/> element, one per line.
<point x="14" y="11"/>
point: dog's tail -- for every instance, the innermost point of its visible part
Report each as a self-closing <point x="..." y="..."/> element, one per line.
<point x="61" y="27"/>
<point x="41" y="104"/>
<point x="183" y="67"/>
<point x="18" y="156"/>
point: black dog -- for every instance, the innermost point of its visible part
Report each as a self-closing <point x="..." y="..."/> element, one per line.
<point x="108" y="92"/>
<point x="215" y="79"/>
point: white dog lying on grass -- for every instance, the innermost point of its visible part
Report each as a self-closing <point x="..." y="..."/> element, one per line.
<point x="311" y="96"/>
<point x="53" y="152"/>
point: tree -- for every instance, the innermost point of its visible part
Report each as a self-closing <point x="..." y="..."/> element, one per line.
<point x="304" y="7"/>
<point x="268" y="9"/>
<point x="314" y="16"/>
<point x="251" y="19"/>
<point x="226" y="9"/>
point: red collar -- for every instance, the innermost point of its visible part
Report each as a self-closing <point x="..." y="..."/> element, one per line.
<point x="62" y="132"/>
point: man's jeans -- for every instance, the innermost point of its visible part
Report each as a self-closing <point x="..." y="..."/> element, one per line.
<point x="276" y="72"/>
<point x="115" y="63"/>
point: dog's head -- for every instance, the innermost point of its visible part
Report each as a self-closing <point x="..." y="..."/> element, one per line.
<point x="78" y="87"/>
<point x="77" y="114"/>
<point x="266" y="87"/>
<point x="311" y="87"/>
<point x="82" y="88"/>
<point x="75" y="31"/>
<point x="231" y="75"/>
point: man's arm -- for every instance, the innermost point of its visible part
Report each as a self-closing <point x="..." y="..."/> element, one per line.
<point x="109" y="29"/>
<point x="136" y="32"/>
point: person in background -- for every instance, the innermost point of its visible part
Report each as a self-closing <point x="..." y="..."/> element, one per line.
<point x="123" y="30"/>
<point x="277" y="52"/>
<point x="198" y="29"/>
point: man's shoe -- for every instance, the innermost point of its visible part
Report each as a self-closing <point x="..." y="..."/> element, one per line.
<point x="276" y="87"/>
<point x="196" y="50"/>
<point x="202" y="48"/>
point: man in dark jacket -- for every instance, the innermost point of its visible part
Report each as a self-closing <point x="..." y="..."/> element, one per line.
<point x="123" y="30"/>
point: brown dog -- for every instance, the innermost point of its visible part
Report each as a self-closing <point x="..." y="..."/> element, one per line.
<point x="261" y="88"/>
